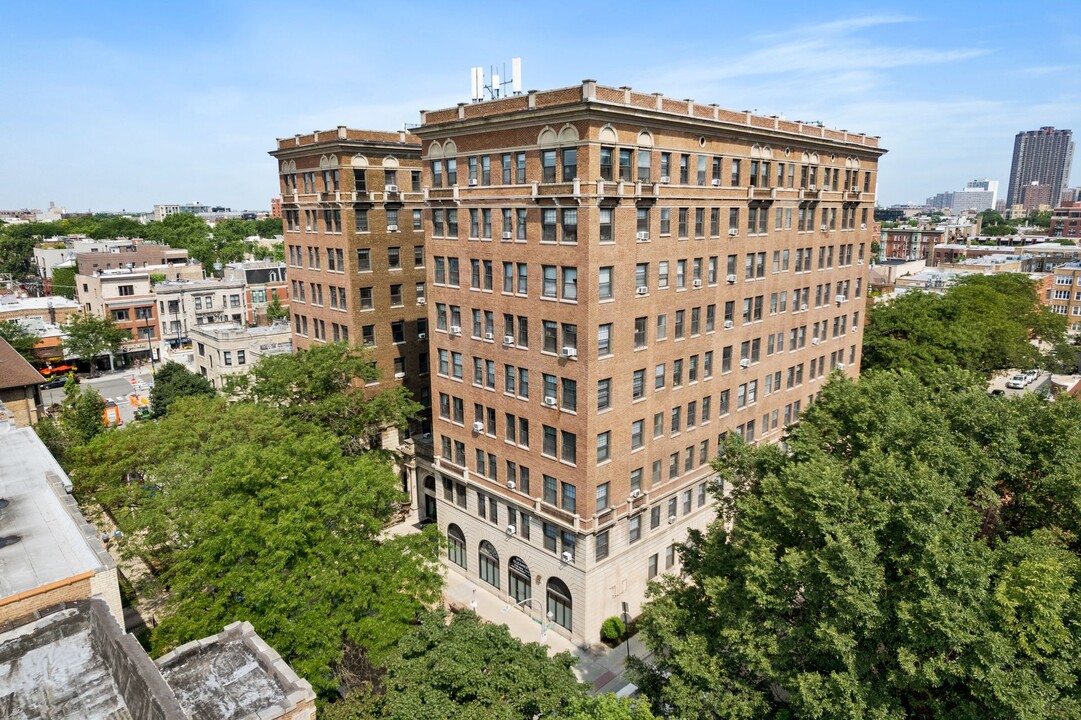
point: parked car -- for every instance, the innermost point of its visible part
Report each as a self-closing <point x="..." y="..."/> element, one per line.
<point x="1031" y="374"/>
<point x="997" y="392"/>
<point x="1017" y="382"/>
<point x="57" y="382"/>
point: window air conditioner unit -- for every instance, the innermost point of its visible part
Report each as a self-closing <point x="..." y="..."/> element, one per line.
<point x="568" y="557"/>
<point x="716" y="182"/>
<point x="569" y="352"/>
<point x="455" y="329"/>
<point x="863" y="226"/>
<point x="841" y="366"/>
<point x="824" y="228"/>
<point x="814" y="341"/>
<point x="732" y="232"/>
<point x="697" y="283"/>
<point x="511" y="529"/>
<point x="422" y="301"/>
<point x="855" y="328"/>
<point x="840" y="299"/>
<point x="472" y="182"/>
<point x="745" y="363"/>
<point x="508" y="339"/>
<point x="731" y="279"/>
<point x="671" y="519"/>
<point x="727" y="324"/>
<point x="643" y="290"/>
<point x="507" y="234"/>
<point x="511" y="484"/>
<point x="812" y="187"/>
<point x="422" y="336"/>
<point x="641" y="235"/>
<point x="489" y="336"/>
<point x="803" y="307"/>
<point x="391" y="188"/>
<point x="665" y="179"/>
<point x="392" y="228"/>
<point x="478" y="427"/>
<point x="399" y="375"/>
<point x="549" y="401"/>
<point x="859" y="262"/>
<point x="635" y="494"/>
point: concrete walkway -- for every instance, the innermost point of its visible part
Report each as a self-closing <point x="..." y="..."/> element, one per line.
<point x="600" y="666"/>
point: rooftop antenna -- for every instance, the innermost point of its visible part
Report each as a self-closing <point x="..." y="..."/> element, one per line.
<point x="479" y="89"/>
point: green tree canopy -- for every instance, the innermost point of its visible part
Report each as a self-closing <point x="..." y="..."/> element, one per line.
<point x="88" y="337"/>
<point x="80" y="420"/>
<point x="175" y="381"/>
<point x="982" y="323"/>
<point x="275" y="310"/>
<point x="324" y="384"/>
<point x="20" y="338"/>
<point x="914" y="555"/>
<point x="247" y="516"/>
<point x="469" y="668"/>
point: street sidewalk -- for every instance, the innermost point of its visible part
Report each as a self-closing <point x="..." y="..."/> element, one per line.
<point x="600" y="666"/>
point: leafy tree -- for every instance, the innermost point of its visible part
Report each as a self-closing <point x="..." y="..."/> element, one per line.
<point x="990" y="218"/>
<point x="64" y="282"/>
<point x="80" y="420"/>
<point x="914" y="554"/>
<point x="268" y="227"/>
<point x="982" y="323"/>
<point x="88" y="337"/>
<point x="16" y="255"/>
<point x="1039" y="219"/>
<point x="248" y="516"/>
<point x="275" y="310"/>
<point x="324" y="384"/>
<point x="175" y="381"/>
<point x="469" y="668"/>
<point x="20" y="338"/>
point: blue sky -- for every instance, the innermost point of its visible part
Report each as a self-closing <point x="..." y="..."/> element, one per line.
<point x="117" y="105"/>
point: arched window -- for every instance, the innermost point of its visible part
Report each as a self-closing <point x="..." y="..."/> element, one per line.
<point x="559" y="602"/>
<point x="429" y="483"/>
<point x="518" y="582"/>
<point x="489" y="563"/>
<point x="456" y="545"/>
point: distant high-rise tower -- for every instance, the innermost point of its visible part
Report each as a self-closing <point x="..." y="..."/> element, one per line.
<point x="1042" y="156"/>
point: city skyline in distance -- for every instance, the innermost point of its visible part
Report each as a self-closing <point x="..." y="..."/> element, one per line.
<point x="129" y="106"/>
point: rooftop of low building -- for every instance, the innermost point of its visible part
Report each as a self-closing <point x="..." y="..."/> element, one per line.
<point x="43" y="537"/>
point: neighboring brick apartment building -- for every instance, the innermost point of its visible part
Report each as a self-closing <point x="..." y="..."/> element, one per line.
<point x="1065" y="294"/>
<point x="1066" y="221"/>
<point x="352" y="207"/>
<point x="908" y="243"/>
<point x="264" y="280"/>
<point x="616" y="280"/>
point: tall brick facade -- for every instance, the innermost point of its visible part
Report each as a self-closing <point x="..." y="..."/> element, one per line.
<point x="354" y="246"/>
<point x="616" y="281"/>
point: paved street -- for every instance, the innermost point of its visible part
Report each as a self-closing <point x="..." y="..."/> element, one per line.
<point x="115" y="386"/>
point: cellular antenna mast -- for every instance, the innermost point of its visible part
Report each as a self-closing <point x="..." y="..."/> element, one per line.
<point x="481" y="90"/>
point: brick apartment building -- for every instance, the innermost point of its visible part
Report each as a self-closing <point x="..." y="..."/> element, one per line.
<point x="1066" y="220"/>
<point x="352" y="208"/>
<point x="908" y="243"/>
<point x="616" y="280"/>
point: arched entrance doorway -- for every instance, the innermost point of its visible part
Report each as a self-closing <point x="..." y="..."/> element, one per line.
<point x="489" y="563"/>
<point x="456" y="545"/>
<point x="519" y="583"/>
<point x="559" y="605"/>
